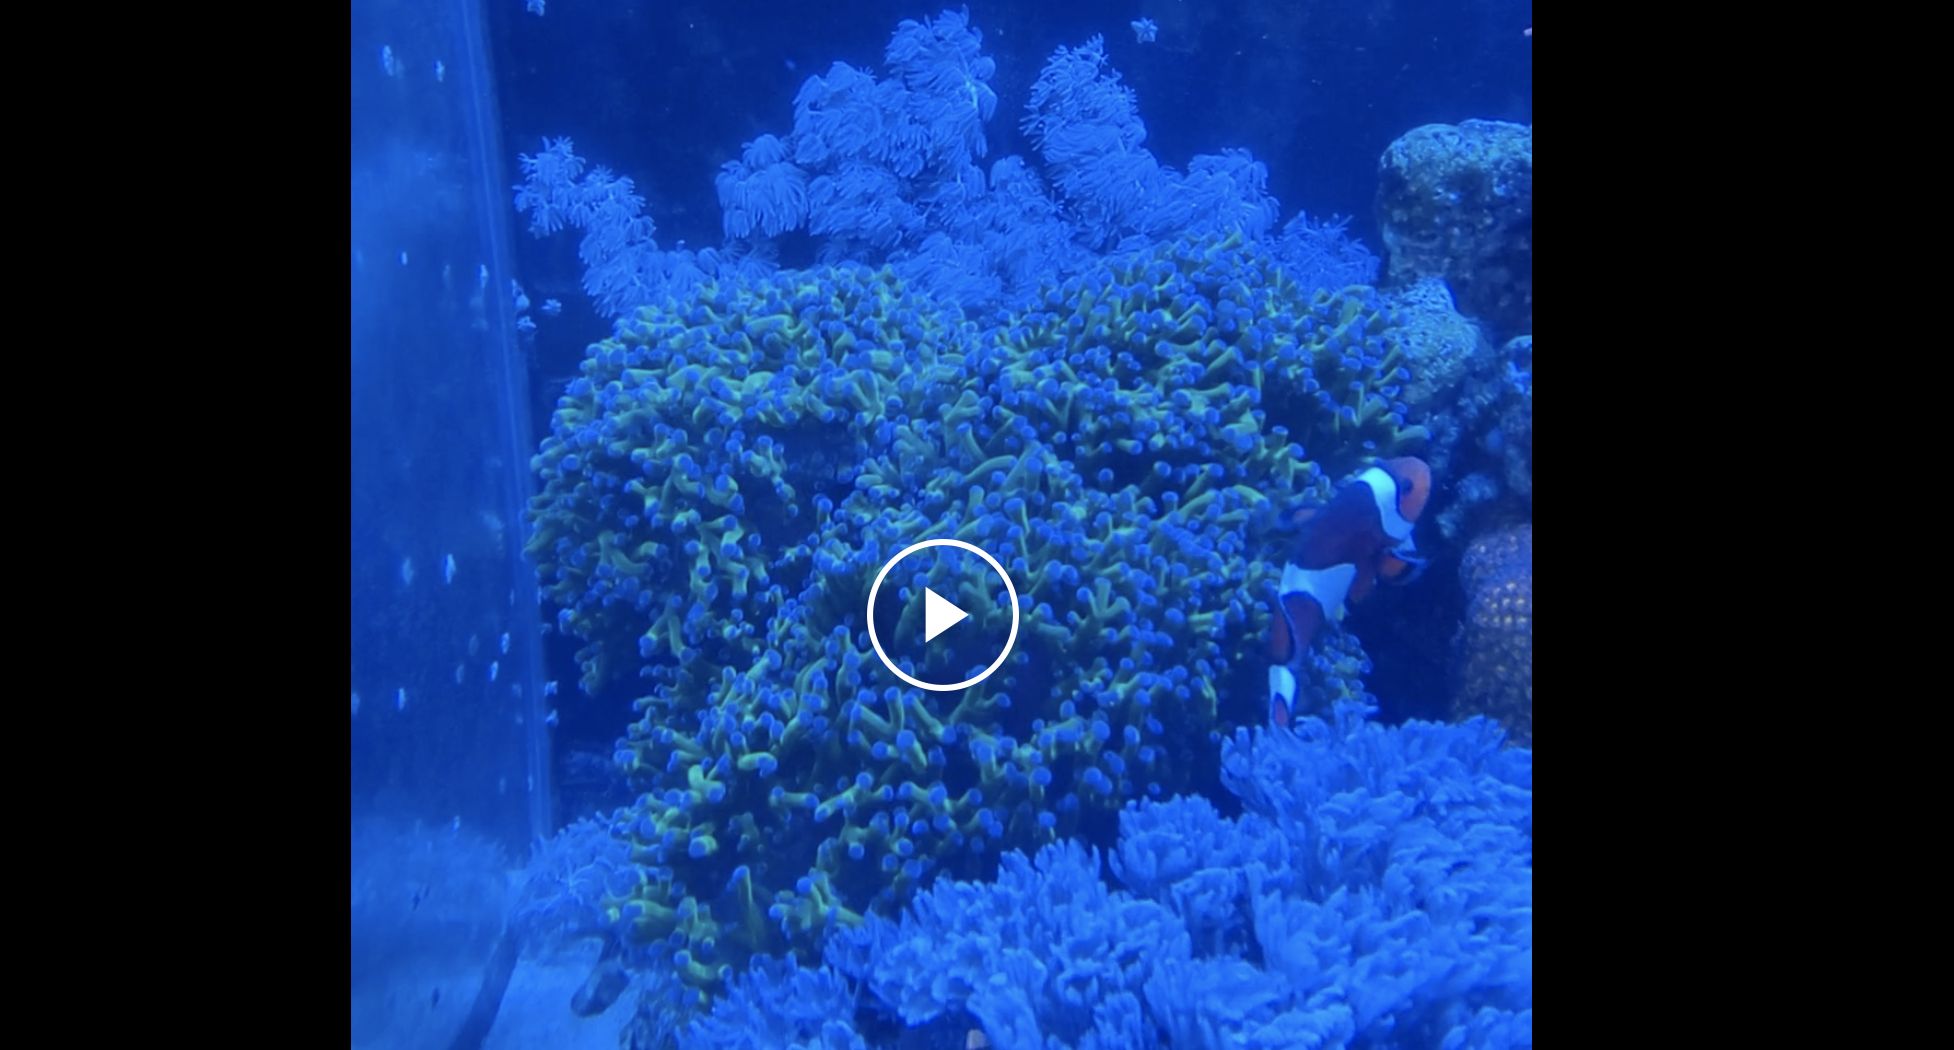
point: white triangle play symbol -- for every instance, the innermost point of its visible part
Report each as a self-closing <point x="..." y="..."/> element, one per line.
<point x="938" y="614"/>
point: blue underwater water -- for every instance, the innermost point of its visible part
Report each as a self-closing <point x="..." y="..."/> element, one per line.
<point x="838" y="491"/>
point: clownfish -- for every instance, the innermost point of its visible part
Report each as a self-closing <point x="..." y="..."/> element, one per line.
<point x="1362" y="534"/>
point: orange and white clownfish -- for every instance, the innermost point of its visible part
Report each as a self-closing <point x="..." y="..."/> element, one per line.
<point x="1362" y="534"/>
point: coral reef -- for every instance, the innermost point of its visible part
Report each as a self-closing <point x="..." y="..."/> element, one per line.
<point x="1495" y="644"/>
<point x="1456" y="202"/>
<point x="1477" y="401"/>
<point x="567" y="881"/>
<point x="1441" y="345"/>
<point x="1378" y="893"/>
<point x="727" y="475"/>
<point x="1512" y="441"/>
<point x="1112" y="375"/>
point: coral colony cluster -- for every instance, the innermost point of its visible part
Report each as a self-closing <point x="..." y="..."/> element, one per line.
<point x="1114" y="376"/>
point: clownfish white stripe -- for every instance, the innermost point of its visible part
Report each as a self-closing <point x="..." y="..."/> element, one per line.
<point x="1282" y="690"/>
<point x="1384" y="491"/>
<point x="1328" y="586"/>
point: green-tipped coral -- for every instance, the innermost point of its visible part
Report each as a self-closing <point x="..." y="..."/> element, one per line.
<point x="728" y="474"/>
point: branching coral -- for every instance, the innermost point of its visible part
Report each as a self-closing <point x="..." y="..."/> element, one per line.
<point x="728" y="474"/>
<point x="1377" y="894"/>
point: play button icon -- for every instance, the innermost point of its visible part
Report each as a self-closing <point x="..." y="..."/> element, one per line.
<point x="939" y="615"/>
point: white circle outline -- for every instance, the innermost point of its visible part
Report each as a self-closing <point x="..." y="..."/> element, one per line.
<point x="876" y="587"/>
